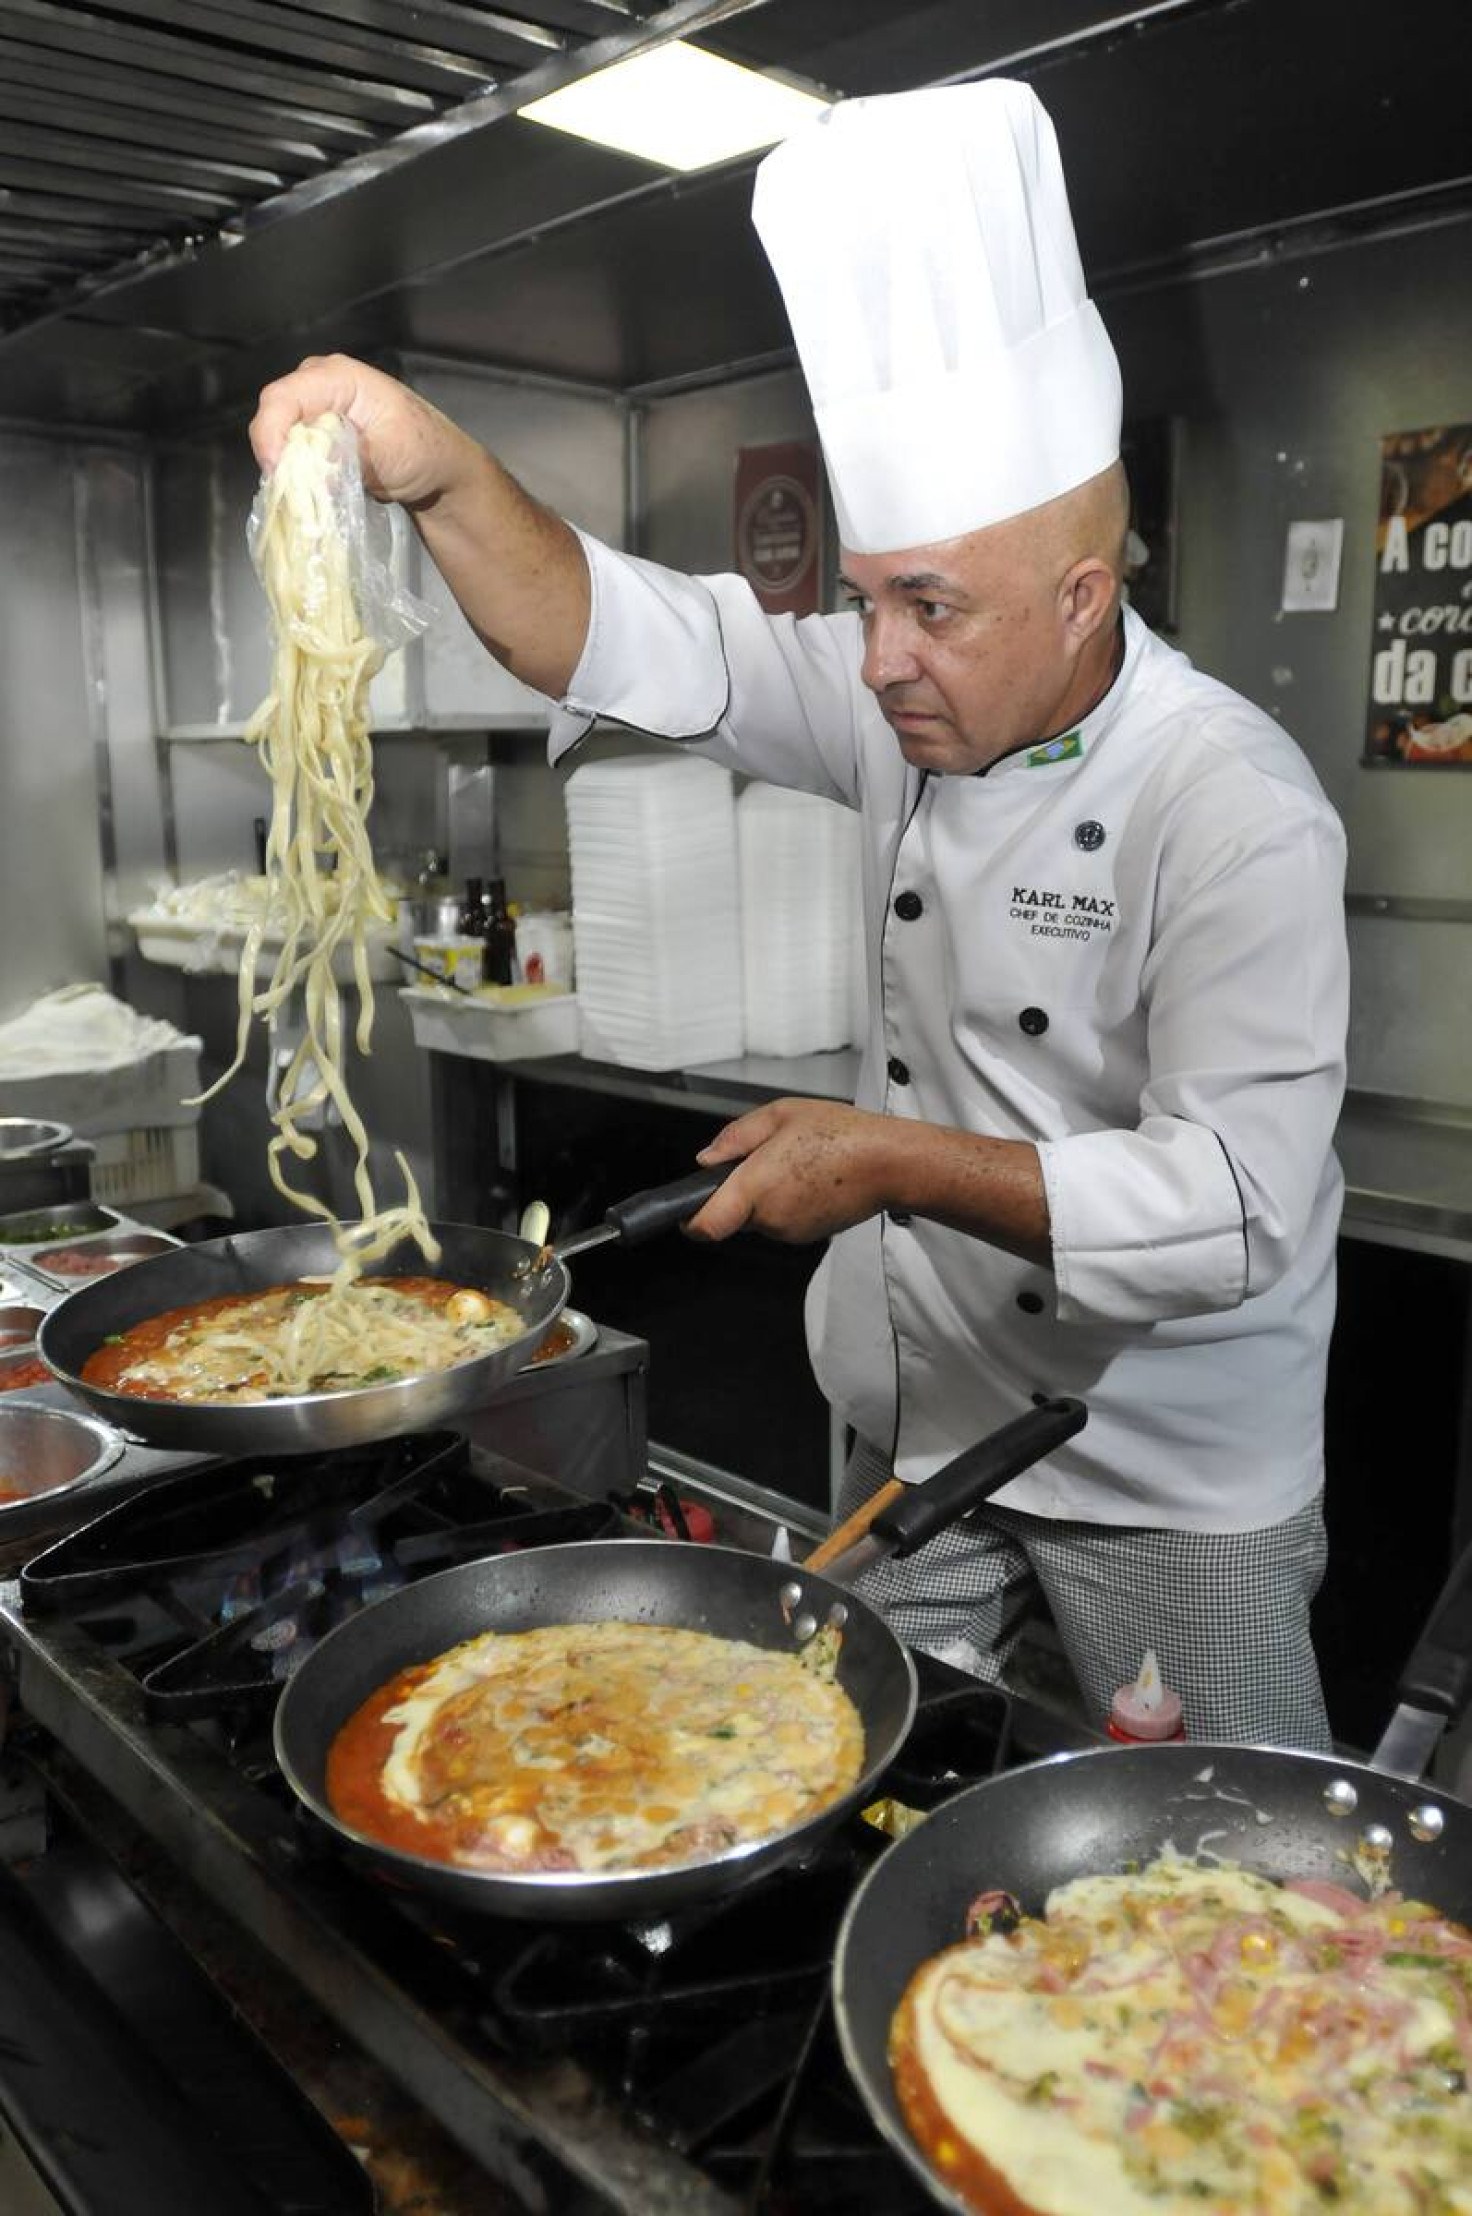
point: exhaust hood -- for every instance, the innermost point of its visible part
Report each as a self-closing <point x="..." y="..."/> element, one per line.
<point x="194" y="193"/>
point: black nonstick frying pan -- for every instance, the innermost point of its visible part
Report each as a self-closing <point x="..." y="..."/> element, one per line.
<point x="1031" y="1829"/>
<point x="718" y="1590"/>
<point x="532" y="1280"/>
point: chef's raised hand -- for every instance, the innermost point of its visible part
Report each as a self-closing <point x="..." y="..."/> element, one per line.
<point x="409" y="451"/>
<point x="809" y="1168"/>
<point x="517" y="569"/>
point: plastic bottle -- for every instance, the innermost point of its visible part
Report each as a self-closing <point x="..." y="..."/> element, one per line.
<point x="1145" y="1712"/>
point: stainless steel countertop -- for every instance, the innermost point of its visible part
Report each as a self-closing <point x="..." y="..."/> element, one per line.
<point x="1407" y="1164"/>
<point x="1407" y="1175"/>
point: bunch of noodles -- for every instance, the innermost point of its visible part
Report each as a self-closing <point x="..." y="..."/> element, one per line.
<point x="312" y="735"/>
<point x="288" y="1340"/>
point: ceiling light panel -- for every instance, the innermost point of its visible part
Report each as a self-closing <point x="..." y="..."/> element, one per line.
<point x="678" y="106"/>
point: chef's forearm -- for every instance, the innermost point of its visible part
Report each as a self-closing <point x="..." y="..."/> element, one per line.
<point x="515" y="568"/>
<point x="991" y="1189"/>
<point x="804" y="1169"/>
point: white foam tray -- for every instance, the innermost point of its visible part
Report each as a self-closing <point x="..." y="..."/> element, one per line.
<point x="454" y="1023"/>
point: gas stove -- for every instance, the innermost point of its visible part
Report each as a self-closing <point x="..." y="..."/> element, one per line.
<point x="687" y="2065"/>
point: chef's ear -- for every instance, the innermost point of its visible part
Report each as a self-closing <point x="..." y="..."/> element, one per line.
<point x="1087" y="599"/>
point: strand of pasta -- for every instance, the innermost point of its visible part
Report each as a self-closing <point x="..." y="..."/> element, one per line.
<point x="312" y="735"/>
<point x="327" y="1335"/>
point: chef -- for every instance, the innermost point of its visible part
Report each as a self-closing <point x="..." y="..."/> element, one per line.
<point x="1090" y="1151"/>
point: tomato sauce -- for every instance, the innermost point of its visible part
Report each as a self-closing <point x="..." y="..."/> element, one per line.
<point x="558" y="1341"/>
<point x="82" y="1261"/>
<point x="13" y="1375"/>
<point x="106" y="1364"/>
<point x="355" y="1772"/>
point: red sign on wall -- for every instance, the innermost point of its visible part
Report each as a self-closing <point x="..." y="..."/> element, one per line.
<point x="779" y="530"/>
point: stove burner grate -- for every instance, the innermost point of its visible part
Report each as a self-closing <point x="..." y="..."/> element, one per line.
<point x="710" y="2031"/>
<point x="219" y="1589"/>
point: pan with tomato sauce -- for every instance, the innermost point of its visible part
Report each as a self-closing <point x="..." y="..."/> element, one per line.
<point x="20" y="1371"/>
<point x="302" y="1337"/>
<point x="594" y="1747"/>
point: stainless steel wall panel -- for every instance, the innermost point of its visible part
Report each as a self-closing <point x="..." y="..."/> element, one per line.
<point x="51" y="903"/>
<point x="1408" y="1033"/>
<point x="218" y="792"/>
<point x="568" y="449"/>
<point x="1285" y="378"/>
<point x="690" y="449"/>
<point x="116" y="519"/>
<point x="214" y="629"/>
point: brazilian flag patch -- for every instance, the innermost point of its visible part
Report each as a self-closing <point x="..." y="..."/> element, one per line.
<point x="1066" y="749"/>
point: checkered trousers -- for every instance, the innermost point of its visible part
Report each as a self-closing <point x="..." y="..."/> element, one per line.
<point x="1227" y="1612"/>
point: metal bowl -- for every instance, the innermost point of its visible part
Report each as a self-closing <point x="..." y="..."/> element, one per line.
<point x="571" y="1335"/>
<point x="62" y="1220"/>
<point x="20" y="1320"/>
<point x="27" y="1138"/>
<point x="25" y="1370"/>
<point x="46" y="1451"/>
<point x="113" y="1251"/>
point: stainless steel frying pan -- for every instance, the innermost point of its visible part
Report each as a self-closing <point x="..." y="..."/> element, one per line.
<point x="718" y="1590"/>
<point x="1283" y="1814"/>
<point x="532" y="1280"/>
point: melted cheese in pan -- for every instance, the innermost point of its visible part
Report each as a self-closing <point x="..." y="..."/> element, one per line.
<point x="303" y="1338"/>
<point x="603" y="1746"/>
<point x="1198" y="2041"/>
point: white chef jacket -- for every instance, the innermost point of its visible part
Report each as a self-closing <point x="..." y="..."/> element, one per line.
<point x="1129" y="950"/>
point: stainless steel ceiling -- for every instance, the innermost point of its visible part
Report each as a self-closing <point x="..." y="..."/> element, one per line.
<point x="139" y="126"/>
<point x="193" y="195"/>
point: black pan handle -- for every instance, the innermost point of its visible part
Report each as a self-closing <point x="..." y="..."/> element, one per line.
<point x="644" y="1215"/>
<point x="1438" y="1675"/>
<point x="976" y="1474"/>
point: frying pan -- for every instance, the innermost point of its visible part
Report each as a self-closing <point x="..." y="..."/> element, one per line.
<point x="719" y="1590"/>
<point x="531" y="1279"/>
<point x="1075" y="1815"/>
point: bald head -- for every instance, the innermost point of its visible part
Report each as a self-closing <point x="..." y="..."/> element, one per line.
<point x="1086" y="525"/>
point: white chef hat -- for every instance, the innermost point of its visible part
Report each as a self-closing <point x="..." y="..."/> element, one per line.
<point x="959" y="373"/>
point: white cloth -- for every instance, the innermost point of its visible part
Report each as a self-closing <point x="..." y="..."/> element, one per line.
<point x="1192" y="968"/>
<point x="81" y="1027"/>
<point x="958" y="371"/>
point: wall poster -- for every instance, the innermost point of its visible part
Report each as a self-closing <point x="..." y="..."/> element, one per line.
<point x="1421" y="660"/>
<point x="779" y="530"/>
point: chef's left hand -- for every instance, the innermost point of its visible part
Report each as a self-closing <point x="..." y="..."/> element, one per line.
<point x="808" y="1168"/>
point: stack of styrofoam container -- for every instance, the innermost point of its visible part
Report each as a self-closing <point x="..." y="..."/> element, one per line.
<point x="799" y="859"/>
<point x="655" y="911"/>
